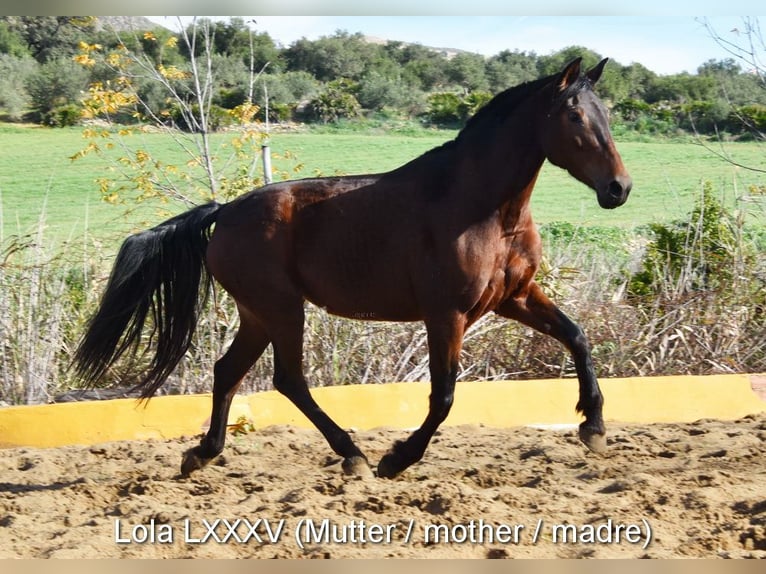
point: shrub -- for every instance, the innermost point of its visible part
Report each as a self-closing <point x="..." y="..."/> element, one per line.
<point x="337" y="101"/>
<point x="471" y="104"/>
<point x="748" y="119"/>
<point x="280" y="112"/>
<point x="450" y="109"/>
<point x="218" y="118"/>
<point x="705" y="117"/>
<point x="230" y="98"/>
<point x="699" y="253"/>
<point x="443" y="108"/>
<point x="63" y="116"/>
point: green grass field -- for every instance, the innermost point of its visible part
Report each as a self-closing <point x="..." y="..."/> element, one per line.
<point x="37" y="175"/>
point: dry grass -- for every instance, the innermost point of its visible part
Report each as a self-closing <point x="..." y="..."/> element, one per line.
<point x="45" y="298"/>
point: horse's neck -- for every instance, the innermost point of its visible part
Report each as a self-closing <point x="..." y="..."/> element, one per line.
<point x="498" y="173"/>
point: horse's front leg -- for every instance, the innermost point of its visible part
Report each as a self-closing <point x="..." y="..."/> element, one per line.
<point x="445" y="339"/>
<point x="540" y="313"/>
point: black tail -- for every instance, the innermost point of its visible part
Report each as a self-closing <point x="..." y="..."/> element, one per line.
<point x="159" y="271"/>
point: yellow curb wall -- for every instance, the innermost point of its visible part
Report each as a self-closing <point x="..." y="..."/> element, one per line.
<point x="398" y="405"/>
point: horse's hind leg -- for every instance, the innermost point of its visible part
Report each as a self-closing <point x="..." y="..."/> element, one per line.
<point x="287" y="339"/>
<point x="445" y="339"/>
<point x="541" y="314"/>
<point x="248" y="345"/>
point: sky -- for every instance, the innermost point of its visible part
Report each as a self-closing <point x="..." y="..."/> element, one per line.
<point x="668" y="44"/>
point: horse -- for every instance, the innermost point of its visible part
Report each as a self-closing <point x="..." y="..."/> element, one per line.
<point x="444" y="239"/>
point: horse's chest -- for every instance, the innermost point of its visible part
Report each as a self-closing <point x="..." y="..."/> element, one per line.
<point x="504" y="274"/>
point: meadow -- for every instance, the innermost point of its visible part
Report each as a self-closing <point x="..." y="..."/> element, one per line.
<point x="37" y="177"/>
<point x="706" y="314"/>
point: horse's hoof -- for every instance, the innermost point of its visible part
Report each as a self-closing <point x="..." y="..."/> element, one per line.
<point x="594" y="440"/>
<point x="192" y="461"/>
<point x="390" y="465"/>
<point x="357" y="466"/>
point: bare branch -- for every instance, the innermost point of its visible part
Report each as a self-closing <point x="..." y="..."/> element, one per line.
<point x="749" y="48"/>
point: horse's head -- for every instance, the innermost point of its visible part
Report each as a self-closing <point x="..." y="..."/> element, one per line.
<point x="576" y="137"/>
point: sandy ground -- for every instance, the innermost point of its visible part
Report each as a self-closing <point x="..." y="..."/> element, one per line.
<point x="662" y="490"/>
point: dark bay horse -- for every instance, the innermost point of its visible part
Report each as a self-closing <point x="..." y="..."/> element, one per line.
<point x="444" y="239"/>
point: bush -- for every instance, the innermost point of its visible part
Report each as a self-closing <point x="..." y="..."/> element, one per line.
<point x="230" y="98"/>
<point x="279" y="112"/>
<point x="706" y="117"/>
<point x="472" y="103"/>
<point x="443" y="109"/>
<point x="631" y="109"/>
<point x="218" y="118"/>
<point x="63" y="116"/>
<point x="696" y="254"/>
<point x="337" y="101"/>
<point x="450" y="109"/>
<point x="748" y="119"/>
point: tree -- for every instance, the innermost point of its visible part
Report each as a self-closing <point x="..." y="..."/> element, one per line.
<point x="235" y="39"/>
<point x="15" y="73"/>
<point x="637" y="79"/>
<point x="11" y="40"/>
<point x="50" y="37"/>
<point x="680" y="88"/>
<point x="377" y="91"/>
<point x="468" y="71"/>
<point x="422" y="67"/>
<point x="54" y="88"/>
<point x="211" y="171"/>
<point x="747" y="47"/>
<point x="508" y="69"/>
<point x="329" y="58"/>
<point x="547" y="65"/>
<point x="745" y="44"/>
<point x="734" y="85"/>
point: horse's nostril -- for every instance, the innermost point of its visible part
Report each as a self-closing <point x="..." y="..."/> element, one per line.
<point x="615" y="189"/>
<point x="616" y="193"/>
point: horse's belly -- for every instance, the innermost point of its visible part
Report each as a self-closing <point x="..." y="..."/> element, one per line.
<point x="358" y="273"/>
<point x="374" y="313"/>
<point x="368" y="299"/>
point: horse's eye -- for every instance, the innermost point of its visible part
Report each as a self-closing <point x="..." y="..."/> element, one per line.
<point x="575" y="117"/>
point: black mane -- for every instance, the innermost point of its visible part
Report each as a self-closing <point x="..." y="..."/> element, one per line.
<point x="493" y="113"/>
<point x="499" y="107"/>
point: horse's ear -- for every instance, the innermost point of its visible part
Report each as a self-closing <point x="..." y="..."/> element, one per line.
<point x="595" y="72"/>
<point x="569" y="74"/>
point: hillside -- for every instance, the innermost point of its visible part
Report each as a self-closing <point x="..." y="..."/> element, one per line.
<point x="124" y="23"/>
<point x="446" y="52"/>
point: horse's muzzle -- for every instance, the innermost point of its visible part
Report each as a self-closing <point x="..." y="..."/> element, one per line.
<point x="616" y="193"/>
